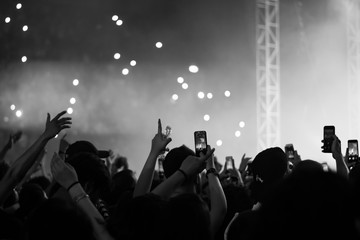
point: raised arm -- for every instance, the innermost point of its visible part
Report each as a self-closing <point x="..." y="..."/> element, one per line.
<point x="191" y="166"/>
<point x="341" y="167"/>
<point x="67" y="177"/>
<point x="158" y="145"/>
<point x="21" y="165"/>
<point x="13" y="138"/>
<point x="217" y="197"/>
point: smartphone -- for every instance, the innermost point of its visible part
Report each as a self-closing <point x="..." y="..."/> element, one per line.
<point x="289" y="150"/>
<point x="353" y="150"/>
<point x="229" y="162"/>
<point x="329" y="132"/>
<point x="200" y="142"/>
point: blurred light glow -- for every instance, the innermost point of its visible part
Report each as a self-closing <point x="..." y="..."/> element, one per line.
<point x="159" y="44"/>
<point x="219" y="143"/>
<point x="70" y="110"/>
<point x="119" y="22"/>
<point x="24" y="59"/>
<point x="18" y="113"/>
<point x="175" y="97"/>
<point x="72" y="100"/>
<point x="7" y="20"/>
<point x="12" y="107"/>
<point x="185" y="86"/>
<point x="115" y="17"/>
<point x="227" y="93"/>
<point x="201" y="95"/>
<point x="242" y="124"/>
<point x="206" y="117"/>
<point x="18" y="6"/>
<point x="237" y="133"/>
<point x="193" y="69"/>
<point x="209" y="95"/>
<point x="125" y="71"/>
<point x="117" y="56"/>
<point x="75" y="82"/>
<point x="25" y="28"/>
<point x="6" y="119"/>
<point x="180" y="80"/>
<point x="133" y="63"/>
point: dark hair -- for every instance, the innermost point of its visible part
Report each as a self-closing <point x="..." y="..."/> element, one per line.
<point x="93" y="175"/>
<point x="174" y="159"/>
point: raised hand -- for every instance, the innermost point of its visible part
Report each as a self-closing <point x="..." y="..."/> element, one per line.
<point x="63" y="172"/>
<point x="193" y="165"/>
<point x="55" y="125"/>
<point x="244" y="162"/>
<point x="160" y="140"/>
<point x="336" y="148"/>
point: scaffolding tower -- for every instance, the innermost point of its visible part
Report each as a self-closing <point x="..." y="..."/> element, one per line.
<point x="268" y="73"/>
<point x="353" y="65"/>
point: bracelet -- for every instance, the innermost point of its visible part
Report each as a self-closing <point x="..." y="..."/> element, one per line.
<point x="73" y="184"/>
<point x="80" y="197"/>
<point x="213" y="171"/>
<point x="184" y="173"/>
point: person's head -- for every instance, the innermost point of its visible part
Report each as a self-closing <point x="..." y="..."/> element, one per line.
<point x="58" y="219"/>
<point x="31" y="196"/>
<point x="120" y="163"/>
<point x="122" y="182"/>
<point x="79" y="147"/>
<point x="268" y="168"/>
<point x="93" y="174"/>
<point x="174" y="159"/>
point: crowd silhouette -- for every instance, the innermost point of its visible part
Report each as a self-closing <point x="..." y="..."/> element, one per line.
<point x="92" y="194"/>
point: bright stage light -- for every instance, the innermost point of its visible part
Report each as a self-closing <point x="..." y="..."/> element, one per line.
<point x="7" y="20"/>
<point x="237" y="134"/>
<point x="175" y="97"/>
<point x="193" y="69"/>
<point x="12" y="107"/>
<point x="185" y="86"/>
<point x="72" y="100"/>
<point x="18" y="6"/>
<point x="25" y="28"/>
<point x="119" y="22"/>
<point x="180" y="80"/>
<point x="201" y="95"/>
<point x="125" y="71"/>
<point x="159" y="44"/>
<point x="133" y="63"/>
<point x="206" y="117"/>
<point x="117" y="56"/>
<point x="227" y="93"/>
<point x="115" y="18"/>
<point x="209" y="95"/>
<point x="70" y="110"/>
<point x="24" y="59"/>
<point x="75" y="82"/>
<point x="242" y="124"/>
<point x="18" y="113"/>
<point x="219" y="143"/>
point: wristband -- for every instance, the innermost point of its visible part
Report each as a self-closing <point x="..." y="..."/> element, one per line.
<point x="73" y="184"/>
<point x="184" y="173"/>
<point x="213" y="171"/>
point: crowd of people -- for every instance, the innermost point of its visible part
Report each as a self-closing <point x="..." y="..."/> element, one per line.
<point x="91" y="195"/>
